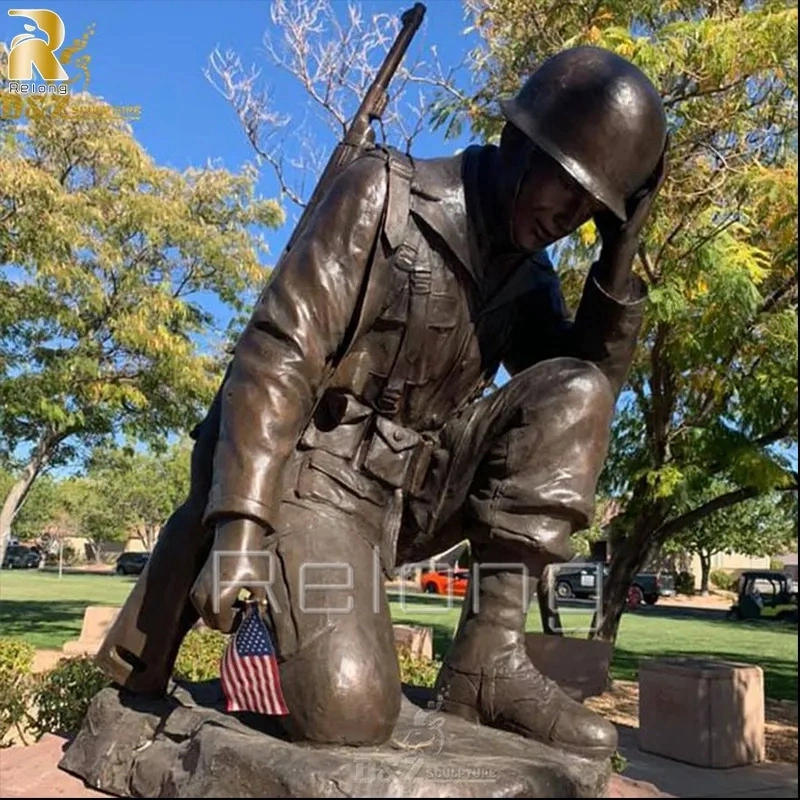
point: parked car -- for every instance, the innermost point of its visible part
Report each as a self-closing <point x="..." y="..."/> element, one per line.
<point x="21" y="557"/>
<point x="445" y="581"/>
<point x="131" y="563"/>
<point x="646" y="587"/>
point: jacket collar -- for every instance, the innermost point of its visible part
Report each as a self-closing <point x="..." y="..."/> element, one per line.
<point x="439" y="200"/>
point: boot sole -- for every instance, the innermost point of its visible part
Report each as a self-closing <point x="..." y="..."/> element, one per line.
<point x="124" y="676"/>
<point x="470" y="714"/>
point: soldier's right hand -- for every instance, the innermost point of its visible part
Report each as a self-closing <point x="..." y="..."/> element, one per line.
<point x="237" y="562"/>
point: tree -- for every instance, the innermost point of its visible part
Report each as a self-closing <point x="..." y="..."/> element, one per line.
<point x="39" y="509"/>
<point x="106" y="261"/>
<point x="712" y="395"/>
<point x="762" y="526"/>
<point x="332" y="52"/>
<point x="135" y="492"/>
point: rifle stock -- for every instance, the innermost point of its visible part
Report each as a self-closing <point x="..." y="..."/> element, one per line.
<point x="360" y="135"/>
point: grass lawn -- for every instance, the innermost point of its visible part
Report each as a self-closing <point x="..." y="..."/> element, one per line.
<point x="771" y="645"/>
<point x="48" y="611"/>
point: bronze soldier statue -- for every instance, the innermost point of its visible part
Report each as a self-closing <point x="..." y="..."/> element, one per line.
<point x="353" y="417"/>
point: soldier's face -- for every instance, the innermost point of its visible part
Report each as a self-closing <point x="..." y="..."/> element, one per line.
<point x="549" y="205"/>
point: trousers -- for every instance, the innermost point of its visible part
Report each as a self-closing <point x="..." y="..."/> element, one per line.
<point x="520" y="465"/>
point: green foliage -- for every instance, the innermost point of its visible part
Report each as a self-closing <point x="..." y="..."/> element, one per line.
<point x="618" y="762"/>
<point x="16" y="660"/>
<point x="106" y="262"/>
<point x="135" y="491"/>
<point x="762" y="526"/>
<point x="417" y="670"/>
<point x="723" y="580"/>
<point x="62" y="695"/>
<point x="41" y="507"/>
<point x="200" y="655"/>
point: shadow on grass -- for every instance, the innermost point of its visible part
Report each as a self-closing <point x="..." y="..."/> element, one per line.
<point x="410" y="598"/>
<point x="52" y="622"/>
<point x="780" y="675"/>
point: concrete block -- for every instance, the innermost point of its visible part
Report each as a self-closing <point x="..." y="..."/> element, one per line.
<point x="96" y="622"/>
<point x="702" y="712"/>
<point x="418" y="639"/>
<point x="579" y="666"/>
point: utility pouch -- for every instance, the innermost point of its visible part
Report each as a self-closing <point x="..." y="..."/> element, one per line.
<point x="391" y="451"/>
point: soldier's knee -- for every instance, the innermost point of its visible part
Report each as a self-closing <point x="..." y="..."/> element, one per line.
<point x="343" y="692"/>
<point x="584" y="387"/>
<point x="575" y="384"/>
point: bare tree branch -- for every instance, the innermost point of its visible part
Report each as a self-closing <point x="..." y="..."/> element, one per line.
<point x="732" y="498"/>
<point x="333" y="53"/>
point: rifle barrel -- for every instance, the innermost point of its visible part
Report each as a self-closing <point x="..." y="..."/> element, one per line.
<point x="360" y="133"/>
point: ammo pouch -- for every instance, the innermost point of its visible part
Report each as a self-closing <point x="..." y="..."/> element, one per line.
<point x="371" y="444"/>
<point x="362" y="463"/>
<point x="391" y="452"/>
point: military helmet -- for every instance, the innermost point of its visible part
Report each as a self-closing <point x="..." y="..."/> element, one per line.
<point x="598" y="116"/>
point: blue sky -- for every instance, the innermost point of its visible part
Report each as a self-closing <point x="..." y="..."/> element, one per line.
<point x="152" y="54"/>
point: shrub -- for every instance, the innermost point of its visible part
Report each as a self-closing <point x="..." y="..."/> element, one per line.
<point x="417" y="670"/>
<point x="63" y="694"/>
<point x="618" y="762"/>
<point x="200" y="655"/>
<point x="16" y="661"/>
<point x="684" y="583"/>
<point x="723" y="580"/>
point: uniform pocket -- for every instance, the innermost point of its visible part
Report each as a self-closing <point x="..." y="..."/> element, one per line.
<point x="391" y="452"/>
<point x="325" y="477"/>
<point x="338" y="426"/>
<point x="443" y="312"/>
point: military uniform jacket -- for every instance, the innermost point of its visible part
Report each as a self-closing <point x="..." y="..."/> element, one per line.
<point x="380" y="301"/>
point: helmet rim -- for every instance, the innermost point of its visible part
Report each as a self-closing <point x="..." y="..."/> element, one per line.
<point x="571" y="165"/>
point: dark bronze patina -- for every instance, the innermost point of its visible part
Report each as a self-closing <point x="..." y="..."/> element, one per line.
<point x="353" y="426"/>
<point x="579" y="107"/>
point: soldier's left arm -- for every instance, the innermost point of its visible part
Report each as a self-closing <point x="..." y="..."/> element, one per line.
<point x="293" y="340"/>
<point x="609" y="317"/>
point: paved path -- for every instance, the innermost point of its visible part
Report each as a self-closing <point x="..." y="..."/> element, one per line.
<point x="684" y="780"/>
<point x="33" y="772"/>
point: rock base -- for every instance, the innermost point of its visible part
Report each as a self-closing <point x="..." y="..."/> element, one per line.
<point x="186" y="745"/>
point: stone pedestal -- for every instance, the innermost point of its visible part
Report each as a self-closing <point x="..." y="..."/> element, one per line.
<point x="187" y="746"/>
<point x="416" y="639"/>
<point x="707" y="713"/>
<point x="579" y="666"/>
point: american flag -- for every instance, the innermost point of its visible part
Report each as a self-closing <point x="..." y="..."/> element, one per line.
<point x="249" y="672"/>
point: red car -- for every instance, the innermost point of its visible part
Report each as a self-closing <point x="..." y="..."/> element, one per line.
<point x="445" y="581"/>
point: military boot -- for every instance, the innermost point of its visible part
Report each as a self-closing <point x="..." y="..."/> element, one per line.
<point x="487" y="677"/>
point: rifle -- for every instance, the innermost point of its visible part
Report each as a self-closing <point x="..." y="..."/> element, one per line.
<point x="361" y="135"/>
